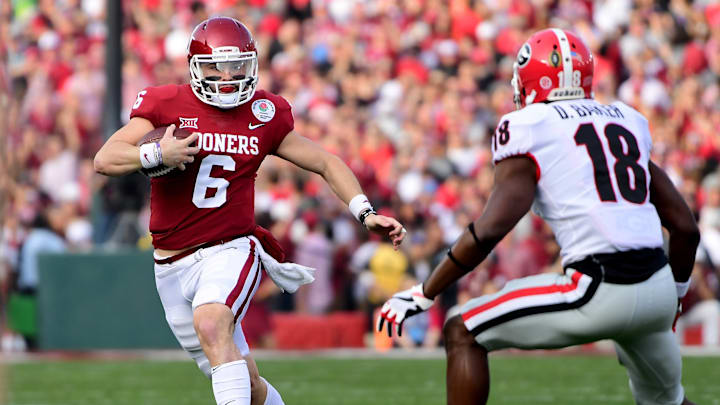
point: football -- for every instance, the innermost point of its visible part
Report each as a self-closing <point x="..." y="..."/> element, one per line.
<point x="154" y="136"/>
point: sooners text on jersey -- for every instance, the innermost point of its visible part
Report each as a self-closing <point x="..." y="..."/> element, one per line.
<point x="213" y="198"/>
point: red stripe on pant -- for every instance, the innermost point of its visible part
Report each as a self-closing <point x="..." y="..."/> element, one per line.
<point x="247" y="297"/>
<point x="525" y="292"/>
<point x="235" y="293"/>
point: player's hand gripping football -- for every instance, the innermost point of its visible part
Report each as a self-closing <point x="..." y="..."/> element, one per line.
<point x="401" y="306"/>
<point x="177" y="152"/>
<point x="387" y="226"/>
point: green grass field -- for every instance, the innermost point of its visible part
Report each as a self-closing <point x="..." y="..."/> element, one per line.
<point x="532" y="379"/>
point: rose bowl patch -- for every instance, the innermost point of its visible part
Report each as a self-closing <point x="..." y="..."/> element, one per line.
<point x="263" y="109"/>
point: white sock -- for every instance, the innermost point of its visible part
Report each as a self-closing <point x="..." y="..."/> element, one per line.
<point x="273" y="396"/>
<point x="231" y="383"/>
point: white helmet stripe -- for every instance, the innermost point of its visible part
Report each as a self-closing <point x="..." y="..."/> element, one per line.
<point x="566" y="57"/>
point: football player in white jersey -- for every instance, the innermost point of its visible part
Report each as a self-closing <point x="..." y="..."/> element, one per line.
<point x="585" y="168"/>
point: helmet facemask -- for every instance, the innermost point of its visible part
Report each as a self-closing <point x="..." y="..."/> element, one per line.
<point x="226" y="78"/>
<point x="519" y="91"/>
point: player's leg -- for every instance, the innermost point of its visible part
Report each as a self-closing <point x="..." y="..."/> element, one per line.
<point x="273" y="396"/>
<point x="169" y="279"/>
<point x="541" y="311"/>
<point x="647" y="347"/>
<point x="228" y="279"/>
<point x="654" y="368"/>
<point x="263" y="393"/>
<point x="214" y="325"/>
<point x="468" y="376"/>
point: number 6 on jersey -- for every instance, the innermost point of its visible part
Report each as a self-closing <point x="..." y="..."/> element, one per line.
<point x="204" y="182"/>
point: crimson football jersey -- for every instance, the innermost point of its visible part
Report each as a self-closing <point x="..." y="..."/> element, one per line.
<point x="213" y="198"/>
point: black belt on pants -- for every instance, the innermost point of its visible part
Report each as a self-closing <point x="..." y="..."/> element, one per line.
<point x="628" y="267"/>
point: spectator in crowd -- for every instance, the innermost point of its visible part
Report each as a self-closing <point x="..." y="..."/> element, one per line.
<point x="44" y="237"/>
<point x="702" y="307"/>
<point x="314" y="250"/>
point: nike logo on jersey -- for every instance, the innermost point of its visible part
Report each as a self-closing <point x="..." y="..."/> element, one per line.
<point x="251" y="126"/>
<point x="146" y="158"/>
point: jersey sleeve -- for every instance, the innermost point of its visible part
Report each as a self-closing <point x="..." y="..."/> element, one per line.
<point x="148" y="104"/>
<point x="512" y="137"/>
<point x="285" y="122"/>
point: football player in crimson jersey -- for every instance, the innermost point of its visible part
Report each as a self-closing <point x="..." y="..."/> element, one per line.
<point x="202" y="222"/>
<point x="585" y="168"/>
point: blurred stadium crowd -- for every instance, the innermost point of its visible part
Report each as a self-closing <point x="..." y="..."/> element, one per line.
<point x="406" y="92"/>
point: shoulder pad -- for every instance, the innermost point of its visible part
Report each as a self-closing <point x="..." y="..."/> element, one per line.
<point x="626" y="109"/>
<point x="165" y="92"/>
<point x="529" y="115"/>
<point x="279" y="101"/>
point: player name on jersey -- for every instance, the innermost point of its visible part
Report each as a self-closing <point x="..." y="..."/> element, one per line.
<point x="228" y="143"/>
<point x="587" y="110"/>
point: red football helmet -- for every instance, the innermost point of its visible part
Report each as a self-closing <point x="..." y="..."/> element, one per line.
<point x="223" y="62"/>
<point x="552" y="65"/>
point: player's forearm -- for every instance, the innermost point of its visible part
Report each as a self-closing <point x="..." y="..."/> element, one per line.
<point x="117" y="158"/>
<point x="464" y="256"/>
<point x="448" y="272"/>
<point x="681" y="254"/>
<point x="677" y="218"/>
<point x="509" y="201"/>
<point x="341" y="179"/>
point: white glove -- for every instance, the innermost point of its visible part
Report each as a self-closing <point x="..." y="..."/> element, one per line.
<point x="403" y="305"/>
<point x="287" y="276"/>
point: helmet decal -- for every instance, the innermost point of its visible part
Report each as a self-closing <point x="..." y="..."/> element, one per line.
<point x="524" y="55"/>
<point x="554" y="58"/>
<point x="545" y="82"/>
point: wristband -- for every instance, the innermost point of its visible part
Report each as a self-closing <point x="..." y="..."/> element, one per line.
<point x="150" y="155"/>
<point x="471" y="228"/>
<point x="158" y="151"/>
<point x="682" y="288"/>
<point x="365" y="214"/>
<point x="462" y="266"/>
<point x="358" y="204"/>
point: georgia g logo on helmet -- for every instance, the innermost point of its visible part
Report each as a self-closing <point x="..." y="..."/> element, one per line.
<point x="524" y="55"/>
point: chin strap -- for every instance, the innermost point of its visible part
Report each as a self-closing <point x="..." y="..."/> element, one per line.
<point x="227" y="98"/>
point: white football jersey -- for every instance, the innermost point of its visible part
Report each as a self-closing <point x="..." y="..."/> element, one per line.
<point x="593" y="186"/>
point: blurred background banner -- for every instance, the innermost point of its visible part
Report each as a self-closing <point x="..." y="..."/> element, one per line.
<point x="406" y="92"/>
<point x="99" y="301"/>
